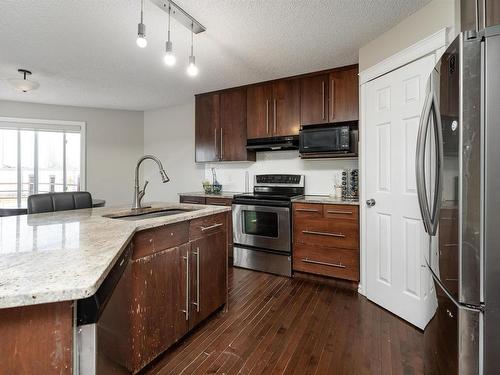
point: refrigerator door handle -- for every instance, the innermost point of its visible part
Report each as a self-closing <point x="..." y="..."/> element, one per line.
<point x="438" y="182"/>
<point x="420" y="163"/>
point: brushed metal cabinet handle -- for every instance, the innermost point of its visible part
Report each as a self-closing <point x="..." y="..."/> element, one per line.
<point x="332" y="115"/>
<point x="186" y="311"/>
<point x="275" y="117"/>
<point x="267" y="117"/>
<point x="323" y="100"/>
<point x="337" y="265"/>
<point x="341" y="235"/>
<point x="203" y="229"/>
<point x="306" y="210"/>
<point x="197" y="303"/>
<point x="221" y="145"/>
<point x="339" y="212"/>
<point x="215" y="143"/>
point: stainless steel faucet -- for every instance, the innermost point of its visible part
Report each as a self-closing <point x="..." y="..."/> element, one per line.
<point x="138" y="193"/>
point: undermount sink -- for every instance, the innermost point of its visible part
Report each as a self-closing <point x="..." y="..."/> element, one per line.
<point x="147" y="213"/>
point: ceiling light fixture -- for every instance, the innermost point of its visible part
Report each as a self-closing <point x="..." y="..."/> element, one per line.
<point x="23" y="84"/>
<point x="192" y="69"/>
<point x="169" y="58"/>
<point x="183" y="18"/>
<point x="141" y="30"/>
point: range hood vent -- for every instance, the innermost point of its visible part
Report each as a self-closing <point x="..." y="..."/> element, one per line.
<point x="274" y="143"/>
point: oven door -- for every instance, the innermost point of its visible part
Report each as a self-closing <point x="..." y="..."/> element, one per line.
<point x="263" y="227"/>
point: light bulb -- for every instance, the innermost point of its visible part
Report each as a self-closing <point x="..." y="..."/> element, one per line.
<point x="169" y="57"/>
<point x="192" y="69"/>
<point x="141" y="42"/>
<point x="141" y="35"/>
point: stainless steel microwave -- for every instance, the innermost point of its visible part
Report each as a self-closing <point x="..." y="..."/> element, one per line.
<point x="337" y="139"/>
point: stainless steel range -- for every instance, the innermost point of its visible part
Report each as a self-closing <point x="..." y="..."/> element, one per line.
<point x="262" y="233"/>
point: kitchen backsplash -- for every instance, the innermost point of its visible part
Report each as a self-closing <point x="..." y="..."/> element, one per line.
<point x="321" y="175"/>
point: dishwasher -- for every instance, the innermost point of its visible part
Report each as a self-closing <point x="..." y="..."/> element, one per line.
<point x="103" y="324"/>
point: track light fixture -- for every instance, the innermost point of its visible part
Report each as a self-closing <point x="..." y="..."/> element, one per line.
<point x="192" y="69"/>
<point x="169" y="57"/>
<point x="185" y="19"/>
<point x="141" y="30"/>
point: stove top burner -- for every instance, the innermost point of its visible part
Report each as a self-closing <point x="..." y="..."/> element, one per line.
<point x="274" y="187"/>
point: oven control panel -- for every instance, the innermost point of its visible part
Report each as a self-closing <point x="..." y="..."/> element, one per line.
<point x="279" y="179"/>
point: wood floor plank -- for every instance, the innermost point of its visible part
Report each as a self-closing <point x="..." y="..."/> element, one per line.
<point x="277" y="325"/>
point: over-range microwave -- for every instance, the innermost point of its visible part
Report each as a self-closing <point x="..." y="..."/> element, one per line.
<point x="332" y="139"/>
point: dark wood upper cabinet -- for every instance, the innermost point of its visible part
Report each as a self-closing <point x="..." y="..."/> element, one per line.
<point x="259" y="119"/>
<point x="286" y="107"/>
<point x="273" y="109"/>
<point x="207" y="125"/>
<point x="344" y="95"/>
<point x="314" y="100"/>
<point x="233" y="126"/>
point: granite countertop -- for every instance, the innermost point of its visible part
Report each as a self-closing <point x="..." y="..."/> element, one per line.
<point x="61" y="256"/>
<point x="325" y="199"/>
<point x="223" y="194"/>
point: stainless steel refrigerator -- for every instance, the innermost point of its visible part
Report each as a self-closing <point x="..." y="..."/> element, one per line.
<point x="458" y="182"/>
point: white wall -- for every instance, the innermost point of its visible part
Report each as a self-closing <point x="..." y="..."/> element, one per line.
<point x="320" y="175"/>
<point x="169" y="135"/>
<point x="114" y="143"/>
<point x="426" y="21"/>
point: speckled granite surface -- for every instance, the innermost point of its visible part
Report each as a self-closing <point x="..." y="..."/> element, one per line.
<point x="223" y="194"/>
<point x="66" y="255"/>
<point x="324" y="199"/>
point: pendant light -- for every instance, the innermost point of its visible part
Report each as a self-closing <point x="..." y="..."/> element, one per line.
<point x="192" y="69"/>
<point x="23" y="84"/>
<point x="169" y="58"/>
<point x="141" y="30"/>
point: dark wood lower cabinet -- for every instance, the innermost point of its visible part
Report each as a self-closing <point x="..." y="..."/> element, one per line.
<point x="159" y="295"/>
<point x="209" y="275"/>
<point x="174" y="289"/>
<point x="37" y="339"/>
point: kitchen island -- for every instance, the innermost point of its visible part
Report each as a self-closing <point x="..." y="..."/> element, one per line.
<point x="48" y="261"/>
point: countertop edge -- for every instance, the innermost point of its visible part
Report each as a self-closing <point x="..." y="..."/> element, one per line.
<point x="54" y="296"/>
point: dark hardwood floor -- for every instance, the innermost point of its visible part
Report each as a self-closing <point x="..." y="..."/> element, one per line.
<point x="277" y="325"/>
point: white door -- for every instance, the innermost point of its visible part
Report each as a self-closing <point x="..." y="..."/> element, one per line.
<point x="396" y="277"/>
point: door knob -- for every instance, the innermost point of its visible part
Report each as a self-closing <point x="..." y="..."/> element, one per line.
<point x="370" y="202"/>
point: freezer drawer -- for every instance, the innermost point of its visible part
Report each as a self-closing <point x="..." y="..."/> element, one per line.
<point x="451" y="339"/>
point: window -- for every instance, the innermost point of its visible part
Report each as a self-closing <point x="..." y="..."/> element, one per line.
<point x="39" y="156"/>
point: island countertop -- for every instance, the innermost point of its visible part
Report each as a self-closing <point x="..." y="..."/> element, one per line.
<point x="62" y="256"/>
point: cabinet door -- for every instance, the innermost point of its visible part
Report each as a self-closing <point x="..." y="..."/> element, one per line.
<point x="207" y="127"/>
<point x="314" y="100"/>
<point x="209" y="275"/>
<point x="344" y="97"/>
<point x="233" y="130"/>
<point x="286" y="107"/>
<point x="159" y="298"/>
<point x="259" y="111"/>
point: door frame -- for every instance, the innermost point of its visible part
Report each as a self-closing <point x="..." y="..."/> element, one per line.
<point x="434" y="44"/>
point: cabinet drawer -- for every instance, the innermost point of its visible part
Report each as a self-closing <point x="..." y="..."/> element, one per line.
<point x="151" y="241"/>
<point x="207" y="225"/>
<point x="325" y="232"/>
<point x="326" y="261"/>
<point x="340" y="211"/>
<point x="215" y="201"/>
<point x="192" y="199"/>
<point x="305" y="210"/>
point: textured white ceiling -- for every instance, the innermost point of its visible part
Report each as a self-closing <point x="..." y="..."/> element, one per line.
<point x="83" y="53"/>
